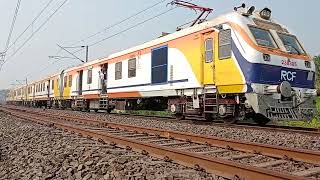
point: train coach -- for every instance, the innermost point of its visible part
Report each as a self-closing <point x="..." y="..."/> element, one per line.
<point x="239" y="64"/>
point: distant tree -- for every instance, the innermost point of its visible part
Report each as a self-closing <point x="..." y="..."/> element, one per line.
<point x="317" y="63"/>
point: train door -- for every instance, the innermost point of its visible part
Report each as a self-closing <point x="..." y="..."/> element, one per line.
<point x="208" y="58"/>
<point x="61" y="84"/>
<point x="80" y="82"/>
<point x="48" y="89"/>
<point x="34" y="91"/>
<point x="104" y="78"/>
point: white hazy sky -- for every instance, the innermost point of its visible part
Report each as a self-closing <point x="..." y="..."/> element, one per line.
<point x="81" y="18"/>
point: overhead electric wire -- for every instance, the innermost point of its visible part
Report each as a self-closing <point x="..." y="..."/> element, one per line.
<point x="106" y="28"/>
<point x="13" y="24"/>
<point x="127" y="29"/>
<point x="119" y="22"/>
<point x="33" y="21"/>
<point x="38" y="29"/>
<point x="113" y="35"/>
<point x="131" y="27"/>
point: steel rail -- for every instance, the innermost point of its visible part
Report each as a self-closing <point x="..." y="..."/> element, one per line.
<point x="244" y="125"/>
<point x="308" y="156"/>
<point x="267" y="127"/>
<point x="217" y="166"/>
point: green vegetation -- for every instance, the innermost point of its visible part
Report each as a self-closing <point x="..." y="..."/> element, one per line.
<point x="149" y="113"/>
<point x="317" y="62"/>
<point x="314" y="123"/>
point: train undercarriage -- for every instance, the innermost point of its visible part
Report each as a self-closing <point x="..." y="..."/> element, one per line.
<point x="208" y="105"/>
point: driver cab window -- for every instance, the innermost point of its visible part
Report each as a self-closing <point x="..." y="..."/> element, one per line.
<point x="263" y="37"/>
<point x="291" y="43"/>
<point x="224" y="44"/>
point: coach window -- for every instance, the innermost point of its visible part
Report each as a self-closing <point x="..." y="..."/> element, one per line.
<point x="65" y="81"/>
<point x="209" y="50"/>
<point x="118" y="71"/>
<point x="132" y="68"/>
<point x="52" y="84"/>
<point x="70" y="80"/>
<point x="89" y="80"/>
<point x="225" y="44"/>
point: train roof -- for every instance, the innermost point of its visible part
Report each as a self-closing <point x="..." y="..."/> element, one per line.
<point x="237" y="17"/>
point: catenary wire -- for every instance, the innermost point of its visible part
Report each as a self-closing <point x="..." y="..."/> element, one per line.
<point x="119" y="22"/>
<point x="33" y="21"/>
<point x="99" y="32"/>
<point x="104" y="39"/>
<point x="93" y="44"/>
<point x="131" y="27"/>
<point x="13" y="23"/>
<point x="38" y="29"/>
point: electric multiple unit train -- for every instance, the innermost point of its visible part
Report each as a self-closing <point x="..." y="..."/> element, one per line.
<point x="239" y="64"/>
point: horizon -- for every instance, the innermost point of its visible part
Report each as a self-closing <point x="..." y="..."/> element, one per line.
<point x="25" y="63"/>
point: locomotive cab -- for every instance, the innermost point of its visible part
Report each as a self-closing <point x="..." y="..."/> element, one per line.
<point x="281" y="76"/>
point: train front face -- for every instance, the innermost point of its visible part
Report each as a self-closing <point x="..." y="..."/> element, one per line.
<point x="279" y="73"/>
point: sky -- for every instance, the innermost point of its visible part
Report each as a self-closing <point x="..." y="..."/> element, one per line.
<point x="78" y="19"/>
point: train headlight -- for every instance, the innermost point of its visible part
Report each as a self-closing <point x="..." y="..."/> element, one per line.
<point x="265" y="13"/>
<point x="266" y="57"/>
<point x="307" y="64"/>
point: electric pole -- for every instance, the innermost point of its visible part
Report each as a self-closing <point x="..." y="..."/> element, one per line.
<point x="87" y="53"/>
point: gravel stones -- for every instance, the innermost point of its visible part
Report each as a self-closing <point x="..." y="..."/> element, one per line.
<point x="31" y="151"/>
<point x="285" y="139"/>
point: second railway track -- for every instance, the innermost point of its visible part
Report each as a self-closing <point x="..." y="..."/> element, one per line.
<point x="227" y="158"/>
<point x="196" y="120"/>
<point x="267" y="127"/>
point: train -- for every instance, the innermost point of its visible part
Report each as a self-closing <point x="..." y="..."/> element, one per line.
<point x="241" y="64"/>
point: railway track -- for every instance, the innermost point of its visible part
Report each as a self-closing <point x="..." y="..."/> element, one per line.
<point x="227" y="158"/>
<point x="201" y="121"/>
<point x="197" y="120"/>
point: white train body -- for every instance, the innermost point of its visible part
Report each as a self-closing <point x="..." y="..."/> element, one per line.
<point x="236" y="64"/>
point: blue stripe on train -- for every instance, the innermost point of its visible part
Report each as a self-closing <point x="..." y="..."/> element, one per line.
<point x="270" y="74"/>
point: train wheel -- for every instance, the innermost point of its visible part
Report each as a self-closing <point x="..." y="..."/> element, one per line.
<point x="179" y="116"/>
<point x="261" y="119"/>
<point x="208" y="116"/>
<point x="230" y="120"/>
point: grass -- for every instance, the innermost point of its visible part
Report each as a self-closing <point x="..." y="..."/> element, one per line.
<point x="314" y="123"/>
<point x="149" y="113"/>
